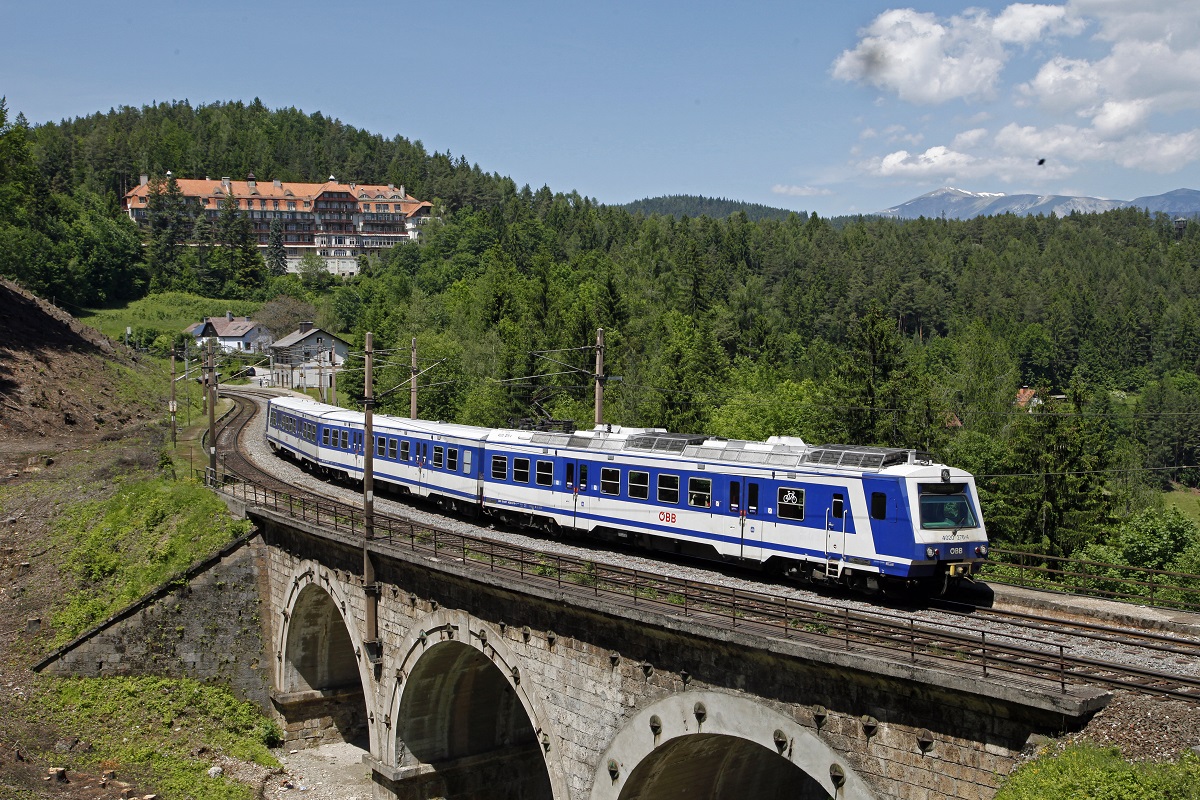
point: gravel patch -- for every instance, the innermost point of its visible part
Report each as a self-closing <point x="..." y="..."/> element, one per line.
<point x="329" y="772"/>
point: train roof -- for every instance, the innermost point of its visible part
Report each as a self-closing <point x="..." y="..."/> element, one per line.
<point x="778" y="452"/>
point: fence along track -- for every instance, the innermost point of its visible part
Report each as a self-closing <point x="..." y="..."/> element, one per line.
<point x="996" y="656"/>
<point x="830" y="625"/>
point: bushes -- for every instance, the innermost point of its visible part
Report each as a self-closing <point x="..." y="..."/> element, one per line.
<point x="121" y="547"/>
<point x="1088" y="772"/>
<point x="157" y="727"/>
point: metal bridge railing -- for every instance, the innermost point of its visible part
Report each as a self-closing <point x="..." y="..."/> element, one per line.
<point x="1156" y="587"/>
<point x="830" y="625"/>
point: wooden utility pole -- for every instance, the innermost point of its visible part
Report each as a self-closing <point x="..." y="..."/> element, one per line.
<point x="412" y="383"/>
<point x="320" y="378"/>
<point x="210" y="389"/>
<point x="171" y="403"/>
<point x="370" y="587"/>
<point x="600" y="376"/>
<point x="332" y="376"/>
<point x="187" y="392"/>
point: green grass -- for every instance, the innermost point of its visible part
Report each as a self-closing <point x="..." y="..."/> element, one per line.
<point x="119" y="548"/>
<point x="1187" y="501"/>
<point x="160" y="731"/>
<point x="168" y="312"/>
<point x="1088" y="772"/>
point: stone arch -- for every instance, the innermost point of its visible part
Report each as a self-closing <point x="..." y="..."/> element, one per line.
<point x="461" y="697"/>
<point x="320" y="678"/>
<point x="735" y="747"/>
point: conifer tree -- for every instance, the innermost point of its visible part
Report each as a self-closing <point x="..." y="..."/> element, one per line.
<point x="276" y="254"/>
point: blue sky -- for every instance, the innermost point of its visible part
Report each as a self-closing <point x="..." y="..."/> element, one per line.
<point x="834" y="107"/>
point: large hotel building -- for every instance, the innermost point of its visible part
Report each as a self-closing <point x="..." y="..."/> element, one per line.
<point x="338" y="221"/>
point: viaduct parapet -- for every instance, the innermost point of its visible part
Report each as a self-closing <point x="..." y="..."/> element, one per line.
<point x="485" y="687"/>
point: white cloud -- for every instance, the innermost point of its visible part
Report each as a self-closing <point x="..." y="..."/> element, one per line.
<point x="800" y="191"/>
<point x="926" y="60"/>
<point x="1152" y="65"/>
<point x="1116" y="117"/>
<point x="969" y="138"/>
<point x="1025" y="23"/>
<point x="934" y="162"/>
<point x="1069" y="144"/>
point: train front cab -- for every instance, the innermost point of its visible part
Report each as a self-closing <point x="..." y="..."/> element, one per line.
<point x="950" y="540"/>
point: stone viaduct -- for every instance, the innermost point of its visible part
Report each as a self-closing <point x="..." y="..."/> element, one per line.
<point x="479" y="688"/>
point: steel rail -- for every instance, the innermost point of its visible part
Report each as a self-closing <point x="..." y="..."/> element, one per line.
<point x="974" y="652"/>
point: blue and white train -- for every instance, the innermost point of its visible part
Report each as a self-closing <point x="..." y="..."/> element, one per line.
<point x="862" y="516"/>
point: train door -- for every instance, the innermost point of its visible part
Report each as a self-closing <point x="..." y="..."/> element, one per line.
<point x="745" y="515"/>
<point x="577" y="485"/>
<point x="468" y="468"/>
<point x="356" y="447"/>
<point x="835" y="534"/>
<point x="422" y="455"/>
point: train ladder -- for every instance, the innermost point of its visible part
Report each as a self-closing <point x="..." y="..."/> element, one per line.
<point x="833" y="569"/>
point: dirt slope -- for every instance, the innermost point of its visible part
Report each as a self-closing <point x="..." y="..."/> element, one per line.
<point x="65" y="431"/>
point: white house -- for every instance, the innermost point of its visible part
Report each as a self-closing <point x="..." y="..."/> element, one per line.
<point x="308" y="358"/>
<point x="232" y="334"/>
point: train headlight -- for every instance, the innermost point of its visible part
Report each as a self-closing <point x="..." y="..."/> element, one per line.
<point x="931" y="552"/>
<point x="981" y="551"/>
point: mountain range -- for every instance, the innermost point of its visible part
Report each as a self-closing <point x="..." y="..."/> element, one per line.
<point x="959" y="204"/>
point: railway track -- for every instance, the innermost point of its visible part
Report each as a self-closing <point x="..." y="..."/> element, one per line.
<point x="1023" y="648"/>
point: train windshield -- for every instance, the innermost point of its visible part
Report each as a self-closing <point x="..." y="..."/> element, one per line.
<point x="945" y="506"/>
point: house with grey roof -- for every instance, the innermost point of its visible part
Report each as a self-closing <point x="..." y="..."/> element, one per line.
<point x="308" y="358"/>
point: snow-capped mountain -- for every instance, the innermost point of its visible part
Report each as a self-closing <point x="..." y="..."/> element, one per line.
<point x="959" y="204"/>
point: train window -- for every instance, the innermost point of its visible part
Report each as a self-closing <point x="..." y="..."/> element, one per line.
<point x="325" y="437"/>
<point x="946" y="510"/>
<point x="345" y="440"/>
<point x="668" y="488"/>
<point x="700" y="492"/>
<point x="583" y="477"/>
<point x="545" y="473"/>
<point x="466" y="462"/>
<point x="839" y="506"/>
<point x="499" y="468"/>
<point x="392" y="449"/>
<point x="380" y="446"/>
<point x="735" y="496"/>
<point x="570" y="474"/>
<point x="521" y="470"/>
<point x="752" y="498"/>
<point x="452" y="459"/>
<point x="610" y="480"/>
<point x="639" y="485"/>
<point x="439" y="457"/>
<point x="404" y="449"/>
<point x="791" y="502"/>
<point x="878" y="505"/>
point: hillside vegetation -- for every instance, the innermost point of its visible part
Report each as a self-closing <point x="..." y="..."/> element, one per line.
<point x="686" y="205"/>
<point x="871" y="331"/>
<point x="868" y="331"/>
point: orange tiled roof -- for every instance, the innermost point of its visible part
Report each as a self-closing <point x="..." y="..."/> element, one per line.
<point x="285" y="190"/>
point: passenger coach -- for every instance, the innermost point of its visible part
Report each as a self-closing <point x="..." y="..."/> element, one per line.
<point x="862" y="516"/>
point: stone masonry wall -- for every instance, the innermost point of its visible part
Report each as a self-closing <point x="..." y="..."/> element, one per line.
<point x="209" y="629"/>
<point x="589" y="672"/>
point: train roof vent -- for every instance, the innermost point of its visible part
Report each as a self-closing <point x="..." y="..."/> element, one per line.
<point x="849" y="457"/>
<point x="705" y="452"/>
<point x="552" y="439"/>
<point x="662" y="442"/>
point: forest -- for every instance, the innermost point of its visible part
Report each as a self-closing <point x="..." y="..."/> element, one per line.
<point x="852" y="330"/>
